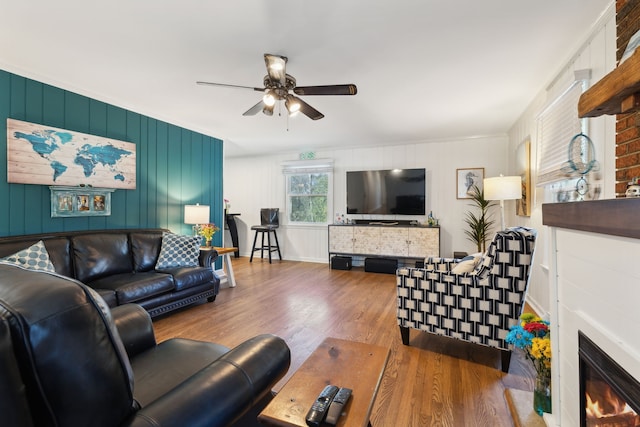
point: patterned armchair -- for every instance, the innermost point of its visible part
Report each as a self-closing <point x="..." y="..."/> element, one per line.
<point x="478" y="306"/>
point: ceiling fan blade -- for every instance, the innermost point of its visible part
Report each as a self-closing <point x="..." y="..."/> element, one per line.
<point x="349" y="89"/>
<point x="276" y="67"/>
<point x="255" y="109"/>
<point x="258" y="89"/>
<point x="308" y="110"/>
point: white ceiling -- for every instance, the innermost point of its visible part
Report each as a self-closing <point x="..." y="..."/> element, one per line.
<point x="425" y="69"/>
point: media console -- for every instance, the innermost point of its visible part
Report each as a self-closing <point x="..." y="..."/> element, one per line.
<point x="386" y="240"/>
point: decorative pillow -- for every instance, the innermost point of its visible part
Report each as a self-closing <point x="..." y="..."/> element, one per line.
<point x="178" y="251"/>
<point x="466" y="264"/>
<point x="35" y="257"/>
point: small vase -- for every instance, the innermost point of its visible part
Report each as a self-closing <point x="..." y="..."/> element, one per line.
<point x="542" y="393"/>
<point x="207" y="243"/>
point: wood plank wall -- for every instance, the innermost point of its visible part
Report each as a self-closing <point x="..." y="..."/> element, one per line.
<point x="175" y="166"/>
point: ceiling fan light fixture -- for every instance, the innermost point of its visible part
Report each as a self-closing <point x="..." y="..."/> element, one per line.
<point x="277" y="66"/>
<point x="269" y="99"/>
<point x="268" y="109"/>
<point x="292" y="104"/>
<point x="280" y="86"/>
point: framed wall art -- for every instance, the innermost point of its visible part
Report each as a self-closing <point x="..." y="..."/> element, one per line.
<point x="46" y="155"/>
<point x="523" y="169"/>
<point x="80" y="201"/>
<point x="466" y="179"/>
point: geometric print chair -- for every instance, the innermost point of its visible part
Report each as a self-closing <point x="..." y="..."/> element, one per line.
<point x="478" y="306"/>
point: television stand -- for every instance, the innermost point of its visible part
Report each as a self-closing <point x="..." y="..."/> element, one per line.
<point x="395" y="241"/>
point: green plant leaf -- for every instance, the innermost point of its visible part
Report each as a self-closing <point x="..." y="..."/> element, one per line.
<point x="479" y="225"/>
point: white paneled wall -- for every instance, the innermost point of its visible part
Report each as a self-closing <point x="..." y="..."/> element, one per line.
<point x="254" y="182"/>
<point x="597" y="54"/>
<point x="251" y="183"/>
<point x="597" y="293"/>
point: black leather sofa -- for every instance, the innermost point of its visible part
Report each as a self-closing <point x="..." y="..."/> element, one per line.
<point x="66" y="359"/>
<point x="119" y="265"/>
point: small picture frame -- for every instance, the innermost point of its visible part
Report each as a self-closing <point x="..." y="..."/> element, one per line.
<point x="466" y="179"/>
<point x="80" y="201"/>
<point x="83" y="202"/>
<point x="99" y="204"/>
<point x="65" y="203"/>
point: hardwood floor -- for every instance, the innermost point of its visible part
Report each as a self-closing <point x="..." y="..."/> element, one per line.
<point x="434" y="382"/>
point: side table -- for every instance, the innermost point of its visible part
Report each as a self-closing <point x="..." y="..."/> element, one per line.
<point x="225" y="253"/>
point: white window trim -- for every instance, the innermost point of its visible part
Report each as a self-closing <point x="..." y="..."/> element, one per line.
<point x="295" y="167"/>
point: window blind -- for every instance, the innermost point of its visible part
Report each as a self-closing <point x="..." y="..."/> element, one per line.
<point x="307" y="166"/>
<point x="557" y="124"/>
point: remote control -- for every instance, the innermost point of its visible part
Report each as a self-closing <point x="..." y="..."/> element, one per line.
<point x="319" y="409"/>
<point x="335" y="409"/>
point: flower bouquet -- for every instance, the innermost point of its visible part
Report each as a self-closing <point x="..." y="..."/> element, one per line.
<point x="207" y="231"/>
<point x="532" y="335"/>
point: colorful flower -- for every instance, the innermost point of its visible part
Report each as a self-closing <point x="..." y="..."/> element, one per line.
<point x="537" y="328"/>
<point x="207" y="230"/>
<point x="532" y="334"/>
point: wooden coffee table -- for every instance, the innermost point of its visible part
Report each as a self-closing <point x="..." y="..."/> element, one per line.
<point x="354" y="365"/>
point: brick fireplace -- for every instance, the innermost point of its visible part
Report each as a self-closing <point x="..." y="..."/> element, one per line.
<point x="594" y="261"/>
<point x="595" y="289"/>
<point x="627" y="125"/>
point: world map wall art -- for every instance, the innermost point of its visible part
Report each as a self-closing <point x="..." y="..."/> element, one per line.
<point x="38" y="154"/>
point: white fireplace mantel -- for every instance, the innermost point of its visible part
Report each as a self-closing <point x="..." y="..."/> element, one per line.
<point x="595" y="288"/>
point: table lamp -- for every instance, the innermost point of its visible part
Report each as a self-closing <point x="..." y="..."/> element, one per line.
<point x="502" y="188"/>
<point x="195" y="215"/>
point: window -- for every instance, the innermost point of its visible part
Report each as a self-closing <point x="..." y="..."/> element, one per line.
<point x="308" y="191"/>
<point x="558" y="124"/>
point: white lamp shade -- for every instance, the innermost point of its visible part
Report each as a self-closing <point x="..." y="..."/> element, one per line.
<point x="503" y="188"/>
<point x="196" y="214"/>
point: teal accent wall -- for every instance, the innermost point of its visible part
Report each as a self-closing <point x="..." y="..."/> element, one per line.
<point x="174" y="166"/>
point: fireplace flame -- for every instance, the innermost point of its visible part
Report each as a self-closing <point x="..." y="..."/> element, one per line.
<point x="609" y="410"/>
<point x="611" y="405"/>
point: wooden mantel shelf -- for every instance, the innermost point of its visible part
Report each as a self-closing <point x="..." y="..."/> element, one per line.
<point x="616" y="217"/>
<point x="617" y="92"/>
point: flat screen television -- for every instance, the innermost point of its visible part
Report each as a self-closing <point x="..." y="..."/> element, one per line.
<point x="386" y="192"/>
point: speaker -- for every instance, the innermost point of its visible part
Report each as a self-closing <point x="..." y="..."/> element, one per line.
<point x="381" y="265"/>
<point x="341" y="263"/>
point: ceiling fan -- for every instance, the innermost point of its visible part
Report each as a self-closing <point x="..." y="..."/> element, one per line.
<point x="278" y="86"/>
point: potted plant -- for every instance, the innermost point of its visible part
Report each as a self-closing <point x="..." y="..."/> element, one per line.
<point x="207" y="231"/>
<point x="480" y="224"/>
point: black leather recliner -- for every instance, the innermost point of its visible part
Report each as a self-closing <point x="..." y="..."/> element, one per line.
<point x="66" y="359"/>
